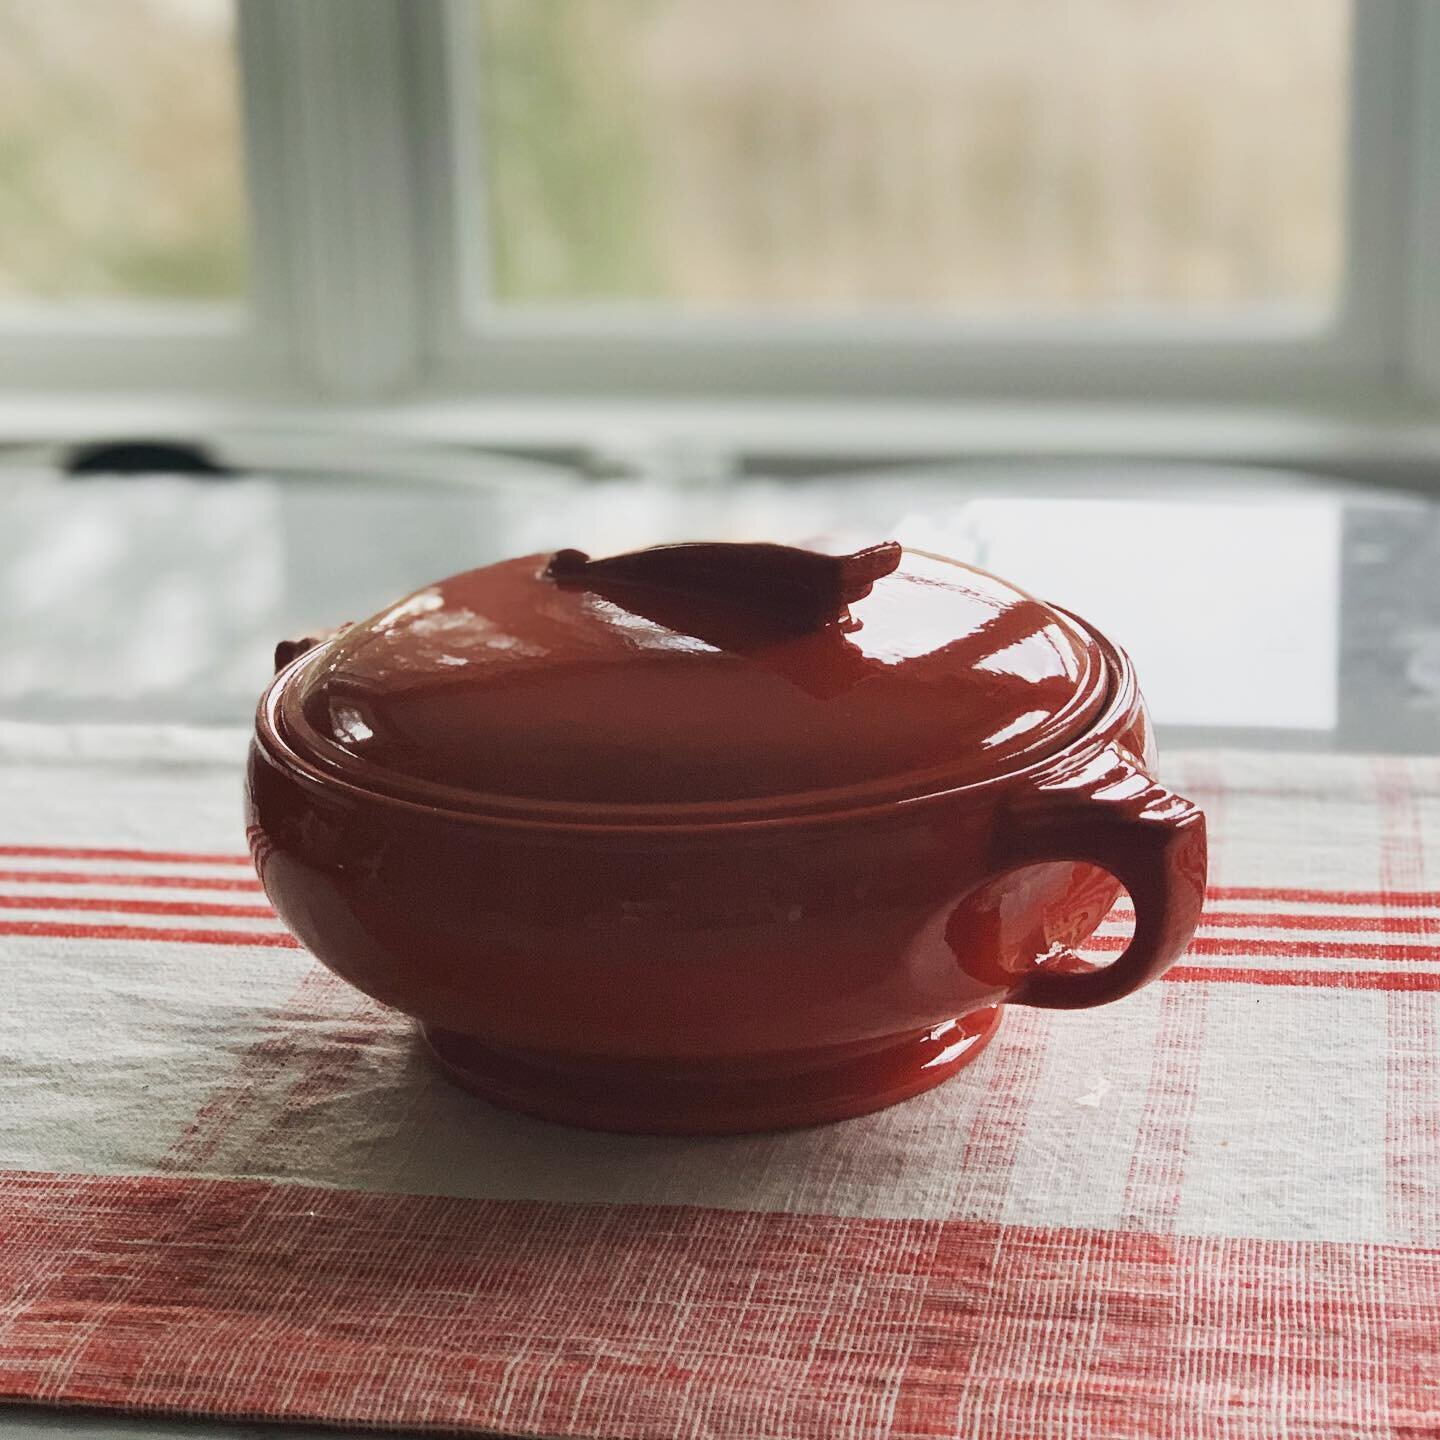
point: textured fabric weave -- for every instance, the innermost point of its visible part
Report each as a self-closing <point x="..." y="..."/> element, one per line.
<point x="231" y="1186"/>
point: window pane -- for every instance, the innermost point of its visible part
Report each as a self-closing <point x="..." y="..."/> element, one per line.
<point x="120" y="167"/>
<point x="832" y="154"/>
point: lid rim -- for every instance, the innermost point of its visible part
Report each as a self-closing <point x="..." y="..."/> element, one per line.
<point x="1111" y="684"/>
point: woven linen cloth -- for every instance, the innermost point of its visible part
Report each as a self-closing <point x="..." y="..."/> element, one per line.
<point x="234" y="1187"/>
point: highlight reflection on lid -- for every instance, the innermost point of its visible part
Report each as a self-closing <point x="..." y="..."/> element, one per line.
<point x="602" y="683"/>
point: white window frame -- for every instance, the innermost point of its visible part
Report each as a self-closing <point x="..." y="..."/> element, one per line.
<point x="1285" y="356"/>
<point x="363" y="170"/>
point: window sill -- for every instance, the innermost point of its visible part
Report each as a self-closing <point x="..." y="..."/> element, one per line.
<point x="1395" y="445"/>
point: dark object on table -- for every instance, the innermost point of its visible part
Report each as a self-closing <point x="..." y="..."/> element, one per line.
<point x="143" y="457"/>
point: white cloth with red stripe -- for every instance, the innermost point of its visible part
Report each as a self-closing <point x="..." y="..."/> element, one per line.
<point x="232" y="1186"/>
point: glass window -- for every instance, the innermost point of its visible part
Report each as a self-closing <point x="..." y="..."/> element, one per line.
<point x="120" y="152"/>
<point x="828" y="155"/>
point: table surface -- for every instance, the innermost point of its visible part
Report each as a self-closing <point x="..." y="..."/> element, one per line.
<point x="1261" y="609"/>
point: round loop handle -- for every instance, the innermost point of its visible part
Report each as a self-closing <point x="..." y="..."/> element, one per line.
<point x="1111" y="814"/>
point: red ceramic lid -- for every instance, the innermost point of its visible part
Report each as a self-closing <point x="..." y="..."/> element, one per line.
<point x="738" y="676"/>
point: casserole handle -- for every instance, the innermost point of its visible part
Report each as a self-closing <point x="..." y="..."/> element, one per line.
<point x="1110" y="813"/>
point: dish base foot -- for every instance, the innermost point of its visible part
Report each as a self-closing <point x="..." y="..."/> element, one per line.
<point x="773" y="1092"/>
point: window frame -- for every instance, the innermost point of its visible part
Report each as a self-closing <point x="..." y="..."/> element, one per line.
<point x="364" y="173"/>
<point x="1278" y="354"/>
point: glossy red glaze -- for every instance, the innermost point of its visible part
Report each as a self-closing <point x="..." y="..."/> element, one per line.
<point x="747" y="934"/>
<point x="503" y="690"/>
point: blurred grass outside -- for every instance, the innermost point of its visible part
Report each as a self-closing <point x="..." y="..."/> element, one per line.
<point x="1040" y="155"/>
<point x="120" y="151"/>
<point x="1044" y="155"/>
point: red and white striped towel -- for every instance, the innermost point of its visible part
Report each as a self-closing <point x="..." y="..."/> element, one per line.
<point x="233" y="1187"/>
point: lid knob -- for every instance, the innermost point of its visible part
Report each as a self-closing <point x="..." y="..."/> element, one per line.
<point x="800" y="589"/>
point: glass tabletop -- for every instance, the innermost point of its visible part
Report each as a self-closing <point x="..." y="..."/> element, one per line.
<point x="1261" y="609"/>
